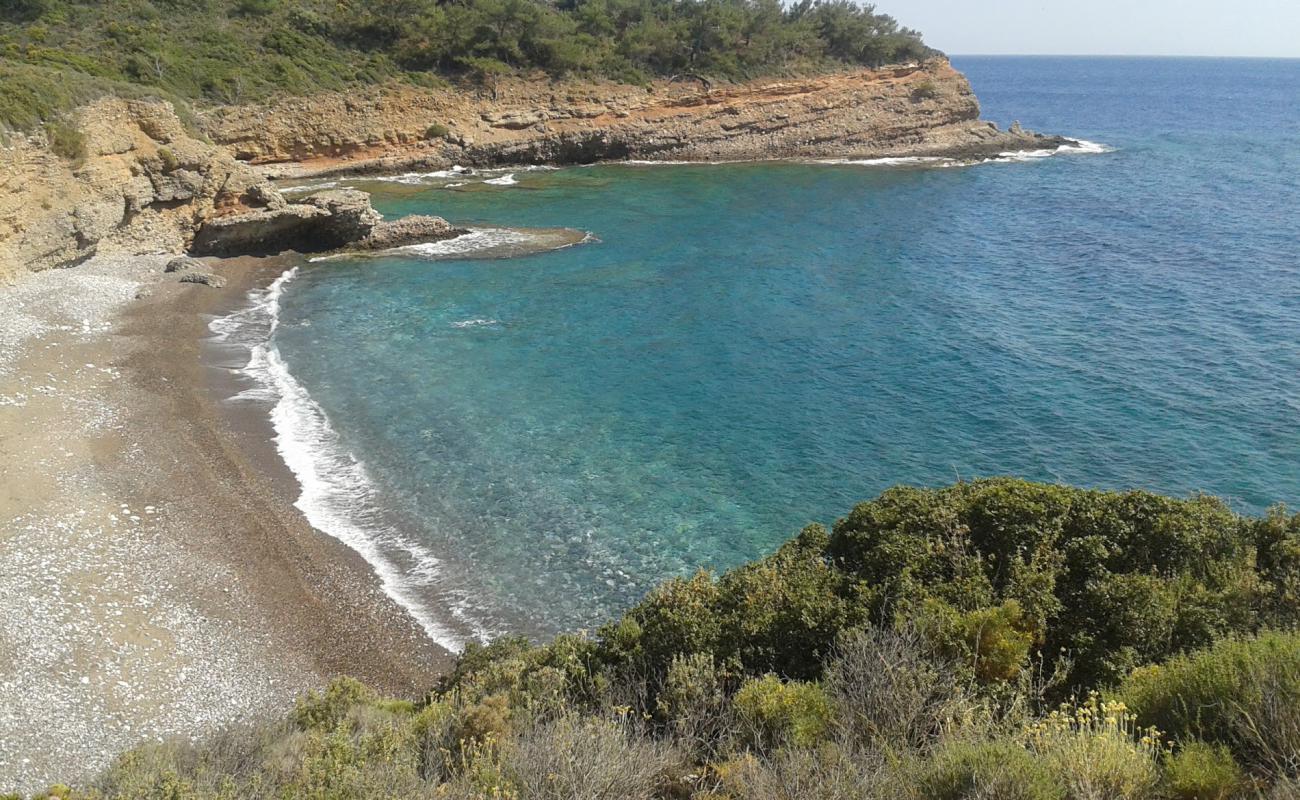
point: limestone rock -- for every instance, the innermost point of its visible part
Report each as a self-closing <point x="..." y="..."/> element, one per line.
<point x="350" y="213"/>
<point x="408" y="230"/>
<point x="183" y="264"/>
<point x="204" y="278"/>
<point x="261" y="232"/>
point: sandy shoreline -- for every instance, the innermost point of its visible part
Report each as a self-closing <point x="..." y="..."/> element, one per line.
<point x="155" y="579"/>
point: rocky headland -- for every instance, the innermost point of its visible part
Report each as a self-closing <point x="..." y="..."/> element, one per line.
<point x="142" y="181"/>
<point x="916" y="110"/>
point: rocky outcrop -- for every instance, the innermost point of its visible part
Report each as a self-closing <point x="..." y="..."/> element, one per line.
<point x="327" y="220"/>
<point x="141" y="183"/>
<point x="144" y="183"/>
<point x="926" y="109"/>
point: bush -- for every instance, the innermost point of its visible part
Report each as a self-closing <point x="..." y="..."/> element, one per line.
<point x="1244" y="694"/>
<point x="994" y="770"/>
<point x="824" y="773"/>
<point x="1096" y="750"/>
<point x="437" y="131"/>
<point x="326" y="710"/>
<point x="66" y="140"/>
<point x="925" y="90"/>
<point x="168" y="159"/>
<point x="888" y="693"/>
<point x="774" y="713"/>
<point x="1199" y="771"/>
<point x="594" y="759"/>
<point x="693" y="703"/>
<point x="1107" y="581"/>
<point x="781" y="614"/>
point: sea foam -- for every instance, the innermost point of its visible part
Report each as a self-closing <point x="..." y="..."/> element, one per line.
<point x="338" y="496"/>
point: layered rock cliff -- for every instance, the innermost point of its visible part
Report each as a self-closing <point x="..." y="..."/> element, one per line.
<point x="140" y="183"/>
<point x="926" y="109"/>
<point x="144" y="183"/>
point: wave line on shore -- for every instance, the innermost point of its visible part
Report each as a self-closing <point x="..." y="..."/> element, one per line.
<point x="337" y="495"/>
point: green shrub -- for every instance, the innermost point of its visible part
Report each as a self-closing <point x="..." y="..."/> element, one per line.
<point x="773" y="712"/>
<point x="925" y="90"/>
<point x="437" y="131"/>
<point x="994" y="770"/>
<point x="693" y="703"/>
<point x="782" y="613"/>
<point x="168" y="159"/>
<point x="1097" y="750"/>
<point x="1200" y="771"/>
<point x="1106" y="580"/>
<point x="66" y="140"/>
<point x="1241" y="693"/>
<point x="327" y="709"/>
<point x="255" y="8"/>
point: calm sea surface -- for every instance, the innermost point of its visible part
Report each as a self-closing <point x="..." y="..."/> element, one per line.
<point x="529" y="444"/>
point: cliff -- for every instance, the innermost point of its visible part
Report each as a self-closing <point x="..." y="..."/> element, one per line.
<point x="926" y="109"/>
<point x="138" y="182"/>
<point x="133" y="179"/>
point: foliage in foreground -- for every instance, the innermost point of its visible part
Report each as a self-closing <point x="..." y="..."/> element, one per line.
<point x="242" y="50"/>
<point x="997" y="639"/>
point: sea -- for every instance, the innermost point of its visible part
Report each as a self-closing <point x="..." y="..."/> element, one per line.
<point x="527" y="445"/>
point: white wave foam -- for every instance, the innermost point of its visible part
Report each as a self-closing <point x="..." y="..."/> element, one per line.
<point x="1079" y="147"/>
<point x="475" y="323"/>
<point x="505" y="180"/>
<point x="414" y="178"/>
<point x="477" y="239"/>
<point x="338" y="496"/>
<point x="897" y="161"/>
<point x="304" y="188"/>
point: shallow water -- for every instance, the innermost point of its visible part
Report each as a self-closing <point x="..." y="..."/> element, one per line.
<point x="748" y="348"/>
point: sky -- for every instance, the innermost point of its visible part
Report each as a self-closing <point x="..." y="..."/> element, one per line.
<point x="1105" y="27"/>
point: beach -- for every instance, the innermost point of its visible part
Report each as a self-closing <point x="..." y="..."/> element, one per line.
<point x="156" y="581"/>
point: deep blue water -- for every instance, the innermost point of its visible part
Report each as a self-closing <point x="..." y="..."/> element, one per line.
<point x="749" y="348"/>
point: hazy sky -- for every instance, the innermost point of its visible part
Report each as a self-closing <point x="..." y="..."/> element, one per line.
<point x="1105" y="27"/>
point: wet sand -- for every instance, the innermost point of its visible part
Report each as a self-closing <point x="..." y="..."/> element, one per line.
<point x="155" y="579"/>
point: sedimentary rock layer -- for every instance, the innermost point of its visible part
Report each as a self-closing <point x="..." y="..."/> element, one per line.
<point x="926" y="109"/>
<point x="134" y="179"/>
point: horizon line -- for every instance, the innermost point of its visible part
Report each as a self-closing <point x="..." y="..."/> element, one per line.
<point x="1122" y="55"/>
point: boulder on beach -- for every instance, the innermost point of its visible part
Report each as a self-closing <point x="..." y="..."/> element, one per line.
<point x="204" y="278"/>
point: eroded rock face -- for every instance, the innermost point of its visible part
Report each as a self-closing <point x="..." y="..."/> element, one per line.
<point x="328" y="220"/>
<point x="408" y="230"/>
<point x="142" y="185"/>
<point x="926" y="109"/>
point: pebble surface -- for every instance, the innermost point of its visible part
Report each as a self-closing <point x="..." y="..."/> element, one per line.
<point x="115" y="632"/>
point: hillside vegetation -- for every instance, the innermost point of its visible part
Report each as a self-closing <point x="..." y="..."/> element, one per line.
<point x="54" y="53"/>
<point x="996" y="640"/>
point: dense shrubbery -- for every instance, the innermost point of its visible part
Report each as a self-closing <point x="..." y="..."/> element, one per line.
<point x="997" y="639"/>
<point x="240" y="50"/>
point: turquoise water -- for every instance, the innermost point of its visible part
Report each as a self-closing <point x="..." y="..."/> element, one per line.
<point x="748" y="348"/>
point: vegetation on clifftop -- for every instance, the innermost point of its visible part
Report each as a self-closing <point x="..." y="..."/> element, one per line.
<point x="232" y="51"/>
<point x="994" y="640"/>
